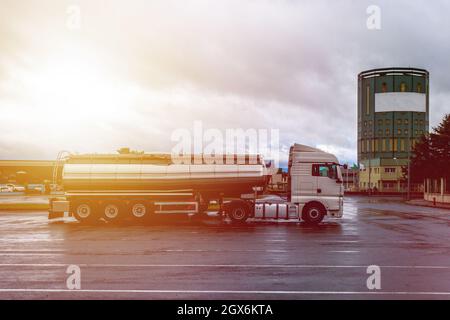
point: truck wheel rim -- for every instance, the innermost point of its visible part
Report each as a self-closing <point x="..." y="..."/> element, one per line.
<point x="111" y="211"/>
<point x="138" y="210"/>
<point x="238" y="214"/>
<point x="314" y="213"/>
<point x="83" y="211"/>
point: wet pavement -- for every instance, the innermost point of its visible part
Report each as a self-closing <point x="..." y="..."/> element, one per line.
<point x="179" y="258"/>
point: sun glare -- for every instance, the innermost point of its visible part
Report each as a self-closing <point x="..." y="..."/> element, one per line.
<point x="72" y="87"/>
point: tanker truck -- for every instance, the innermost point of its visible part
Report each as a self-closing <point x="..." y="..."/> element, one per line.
<point x="142" y="186"/>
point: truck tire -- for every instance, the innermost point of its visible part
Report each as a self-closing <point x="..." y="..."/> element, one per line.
<point x="112" y="211"/>
<point x="313" y="213"/>
<point x="139" y="210"/>
<point x="238" y="212"/>
<point x="84" y="211"/>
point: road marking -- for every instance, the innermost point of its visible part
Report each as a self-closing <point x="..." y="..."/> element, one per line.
<point x="30" y="250"/>
<point x="29" y="239"/>
<point x="33" y="254"/>
<point x="345" y="251"/>
<point x="118" y="253"/>
<point x="288" y="266"/>
<point x="226" y="292"/>
<point x="337" y="241"/>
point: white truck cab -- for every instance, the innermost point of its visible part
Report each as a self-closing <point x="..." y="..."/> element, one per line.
<point x="315" y="183"/>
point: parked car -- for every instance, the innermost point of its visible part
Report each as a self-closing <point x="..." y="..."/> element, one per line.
<point x="35" y="189"/>
<point x="16" y="188"/>
<point x="5" y="189"/>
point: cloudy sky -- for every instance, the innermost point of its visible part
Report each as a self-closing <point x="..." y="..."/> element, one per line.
<point x="96" y="75"/>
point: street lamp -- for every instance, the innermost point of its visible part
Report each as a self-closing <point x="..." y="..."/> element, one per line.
<point x="396" y="165"/>
<point x="408" y="194"/>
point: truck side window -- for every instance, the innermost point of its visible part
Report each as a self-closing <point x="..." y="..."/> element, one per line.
<point x="323" y="170"/>
<point x="320" y="170"/>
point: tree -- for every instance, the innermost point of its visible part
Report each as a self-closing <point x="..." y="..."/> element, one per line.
<point x="430" y="158"/>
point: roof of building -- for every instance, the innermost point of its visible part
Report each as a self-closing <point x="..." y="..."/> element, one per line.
<point x="26" y="163"/>
<point x="392" y="71"/>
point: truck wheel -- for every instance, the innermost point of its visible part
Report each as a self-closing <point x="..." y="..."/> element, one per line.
<point x="112" y="211"/>
<point x="83" y="211"/>
<point x="238" y="212"/>
<point x="313" y="213"/>
<point x="139" y="210"/>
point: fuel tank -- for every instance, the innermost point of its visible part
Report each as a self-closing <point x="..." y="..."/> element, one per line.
<point x="232" y="176"/>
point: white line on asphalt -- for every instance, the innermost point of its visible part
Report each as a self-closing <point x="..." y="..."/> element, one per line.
<point x="298" y="266"/>
<point x="30" y="250"/>
<point x="226" y="292"/>
<point x="29" y="239"/>
<point x="345" y="251"/>
<point x="338" y="241"/>
<point x="31" y="254"/>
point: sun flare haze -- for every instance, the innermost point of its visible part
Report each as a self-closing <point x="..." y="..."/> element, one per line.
<point x="94" y="76"/>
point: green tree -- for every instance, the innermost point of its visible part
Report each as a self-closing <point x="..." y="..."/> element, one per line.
<point x="430" y="157"/>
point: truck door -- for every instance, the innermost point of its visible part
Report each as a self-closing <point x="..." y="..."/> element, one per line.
<point x="326" y="175"/>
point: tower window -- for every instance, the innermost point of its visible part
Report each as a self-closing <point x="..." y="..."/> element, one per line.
<point x="419" y="88"/>
<point x="368" y="100"/>
<point x="403" y="87"/>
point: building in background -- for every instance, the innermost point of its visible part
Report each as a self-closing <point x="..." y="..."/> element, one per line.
<point x="278" y="181"/>
<point x="393" y="113"/>
<point x="350" y="178"/>
<point x="25" y="171"/>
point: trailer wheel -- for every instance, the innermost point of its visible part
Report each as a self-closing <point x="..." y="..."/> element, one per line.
<point x="139" y="210"/>
<point x="238" y="212"/>
<point x="83" y="211"/>
<point x="112" y="211"/>
<point x="313" y="213"/>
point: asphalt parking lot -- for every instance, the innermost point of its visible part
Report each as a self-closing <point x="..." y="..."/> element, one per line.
<point x="180" y="258"/>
